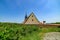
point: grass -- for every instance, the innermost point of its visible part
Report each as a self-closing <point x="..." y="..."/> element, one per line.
<point x="14" y="31"/>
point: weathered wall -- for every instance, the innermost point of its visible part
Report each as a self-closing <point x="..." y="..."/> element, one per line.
<point x="32" y="20"/>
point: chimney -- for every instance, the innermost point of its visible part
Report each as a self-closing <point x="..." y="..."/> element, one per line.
<point x="25" y="16"/>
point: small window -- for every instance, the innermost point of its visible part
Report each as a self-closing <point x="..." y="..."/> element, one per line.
<point x="32" y="16"/>
<point x="32" y="19"/>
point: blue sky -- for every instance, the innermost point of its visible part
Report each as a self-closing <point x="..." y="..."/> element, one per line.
<point x="15" y="10"/>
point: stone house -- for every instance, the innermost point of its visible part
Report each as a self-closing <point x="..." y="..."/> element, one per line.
<point x="31" y="19"/>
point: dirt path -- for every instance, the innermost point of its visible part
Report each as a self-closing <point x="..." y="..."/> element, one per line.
<point x="52" y="36"/>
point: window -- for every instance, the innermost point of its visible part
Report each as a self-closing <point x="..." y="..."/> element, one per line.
<point x="32" y="16"/>
<point x="32" y="19"/>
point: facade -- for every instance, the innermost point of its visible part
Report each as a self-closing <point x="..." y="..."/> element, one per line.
<point x="31" y="19"/>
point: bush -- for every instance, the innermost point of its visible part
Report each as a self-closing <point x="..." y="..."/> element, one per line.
<point x="9" y="31"/>
<point x="13" y="31"/>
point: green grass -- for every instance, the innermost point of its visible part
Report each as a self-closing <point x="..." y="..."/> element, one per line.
<point x="14" y="31"/>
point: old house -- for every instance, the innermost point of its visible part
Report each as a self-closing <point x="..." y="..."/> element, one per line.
<point x="31" y="19"/>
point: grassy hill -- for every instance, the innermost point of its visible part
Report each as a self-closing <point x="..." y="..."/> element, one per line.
<point x="14" y="31"/>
